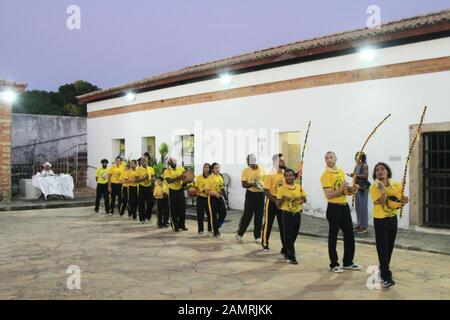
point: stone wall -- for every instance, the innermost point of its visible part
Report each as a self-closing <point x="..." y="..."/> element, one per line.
<point x="42" y="137"/>
<point x="5" y="151"/>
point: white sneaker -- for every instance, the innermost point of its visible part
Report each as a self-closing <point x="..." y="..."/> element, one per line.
<point x="258" y="241"/>
<point x="238" y="238"/>
<point x="337" y="269"/>
<point x="353" y="267"/>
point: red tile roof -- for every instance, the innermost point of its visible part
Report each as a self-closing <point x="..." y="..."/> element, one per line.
<point x="402" y="29"/>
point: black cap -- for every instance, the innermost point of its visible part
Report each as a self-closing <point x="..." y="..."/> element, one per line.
<point x="104" y="160"/>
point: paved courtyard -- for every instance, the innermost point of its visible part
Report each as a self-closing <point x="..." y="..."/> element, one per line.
<point x="121" y="259"/>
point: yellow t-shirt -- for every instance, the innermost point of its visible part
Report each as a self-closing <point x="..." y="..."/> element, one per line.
<point x="102" y="175"/>
<point x="126" y="176"/>
<point x="148" y="172"/>
<point x="383" y="211"/>
<point x="214" y="183"/>
<point x="200" y="184"/>
<point x="159" y="190"/>
<point x="274" y="181"/>
<point x="116" y="173"/>
<point x="132" y="174"/>
<point x="294" y="192"/>
<point x="250" y="176"/>
<point x="172" y="174"/>
<point x="334" y="179"/>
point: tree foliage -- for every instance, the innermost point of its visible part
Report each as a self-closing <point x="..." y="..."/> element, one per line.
<point x="60" y="103"/>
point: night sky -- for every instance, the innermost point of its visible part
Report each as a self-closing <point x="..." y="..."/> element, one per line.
<point x="122" y="41"/>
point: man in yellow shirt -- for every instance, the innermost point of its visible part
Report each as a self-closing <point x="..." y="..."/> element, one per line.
<point x="115" y="178"/>
<point x="145" y="176"/>
<point x="336" y="191"/>
<point x="177" y="202"/>
<point x="272" y="182"/>
<point x="386" y="195"/>
<point x="132" y="190"/>
<point x="125" y="190"/>
<point x="101" y="177"/>
<point x="290" y="199"/>
<point x="252" y="180"/>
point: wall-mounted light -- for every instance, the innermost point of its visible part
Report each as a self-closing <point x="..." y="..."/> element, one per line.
<point x="225" y="78"/>
<point x="367" y="53"/>
<point x="131" y="96"/>
<point x="8" y="96"/>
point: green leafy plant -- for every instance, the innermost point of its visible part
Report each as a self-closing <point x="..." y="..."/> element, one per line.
<point x="161" y="164"/>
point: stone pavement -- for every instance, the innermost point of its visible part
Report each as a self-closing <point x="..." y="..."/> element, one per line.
<point x="409" y="239"/>
<point x="121" y="259"/>
<point x="83" y="197"/>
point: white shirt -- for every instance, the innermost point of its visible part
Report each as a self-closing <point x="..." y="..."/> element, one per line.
<point x="46" y="173"/>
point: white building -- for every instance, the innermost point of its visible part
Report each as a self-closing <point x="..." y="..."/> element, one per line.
<point x="344" y="83"/>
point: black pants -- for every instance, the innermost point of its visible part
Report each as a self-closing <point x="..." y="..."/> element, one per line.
<point x="291" y="227"/>
<point x="339" y="217"/>
<point x="385" y="233"/>
<point x="253" y="206"/>
<point x="270" y="212"/>
<point x="102" y="191"/>
<point x="177" y="209"/>
<point x="202" y="210"/>
<point x="162" y="206"/>
<point x="116" y="191"/>
<point x="133" y="200"/>
<point x="217" y="213"/>
<point x="145" y="203"/>
<point x="125" y="200"/>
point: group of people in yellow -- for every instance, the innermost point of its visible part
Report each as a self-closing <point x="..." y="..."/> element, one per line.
<point x="278" y="193"/>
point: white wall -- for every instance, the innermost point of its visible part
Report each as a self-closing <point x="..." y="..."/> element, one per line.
<point x="405" y="53"/>
<point x="342" y="115"/>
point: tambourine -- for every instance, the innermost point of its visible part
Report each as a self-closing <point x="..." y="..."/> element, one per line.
<point x="187" y="177"/>
<point x="394" y="203"/>
<point x="192" y="191"/>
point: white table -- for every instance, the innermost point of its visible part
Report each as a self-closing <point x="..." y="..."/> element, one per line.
<point x="61" y="185"/>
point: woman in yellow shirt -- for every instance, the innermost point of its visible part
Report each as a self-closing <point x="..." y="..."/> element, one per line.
<point x="386" y="197"/>
<point x="214" y="187"/>
<point x="161" y="193"/>
<point x="290" y="199"/>
<point x="202" y="199"/>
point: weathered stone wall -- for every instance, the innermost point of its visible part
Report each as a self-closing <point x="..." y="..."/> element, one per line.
<point x="41" y="137"/>
<point x="5" y="151"/>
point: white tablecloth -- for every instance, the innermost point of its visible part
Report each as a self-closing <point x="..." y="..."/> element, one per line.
<point x="55" y="185"/>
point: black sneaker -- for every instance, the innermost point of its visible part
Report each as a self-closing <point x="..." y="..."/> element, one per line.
<point x="184" y="229"/>
<point x="388" y="283"/>
<point x="293" y="260"/>
<point x="266" y="249"/>
<point x="96" y="210"/>
<point x="217" y="235"/>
